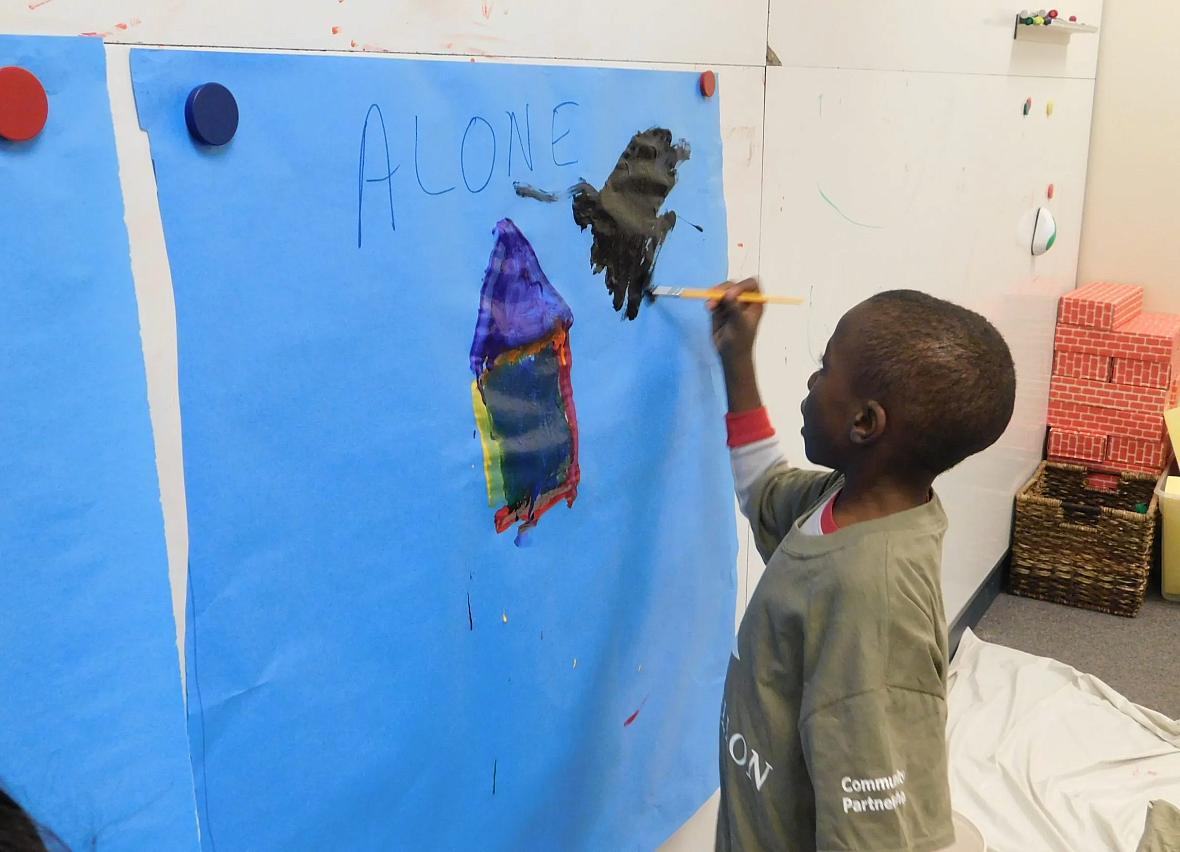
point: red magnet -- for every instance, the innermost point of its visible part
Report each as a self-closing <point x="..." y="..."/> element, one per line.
<point x="211" y="114"/>
<point x="708" y="84"/>
<point x="1050" y="190"/>
<point x="1052" y="13"/>
<point x="24" y="106"/>
<point x="1073" y="19"/>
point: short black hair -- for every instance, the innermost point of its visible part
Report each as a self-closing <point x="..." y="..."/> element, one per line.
<point x="19" y="832"/>
<point x="943" y="373"/>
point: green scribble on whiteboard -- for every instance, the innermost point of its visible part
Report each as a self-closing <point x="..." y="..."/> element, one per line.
<point x="843" y="215"/>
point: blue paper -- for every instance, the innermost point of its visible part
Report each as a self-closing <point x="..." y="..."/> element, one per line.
<point x="92" y="733"/>
<point x="372" y="666"/>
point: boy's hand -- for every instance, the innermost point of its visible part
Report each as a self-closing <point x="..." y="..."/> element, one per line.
<point x="735" y="324"/>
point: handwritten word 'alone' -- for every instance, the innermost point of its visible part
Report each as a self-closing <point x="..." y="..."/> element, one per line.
<point x="480" y="148"/>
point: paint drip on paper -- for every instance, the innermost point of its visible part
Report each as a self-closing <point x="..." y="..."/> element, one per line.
<point x="522" y="394"/>
<point x="625" y="216"/>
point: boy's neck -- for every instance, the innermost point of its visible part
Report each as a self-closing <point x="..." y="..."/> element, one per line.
<point x="864" y="498"/>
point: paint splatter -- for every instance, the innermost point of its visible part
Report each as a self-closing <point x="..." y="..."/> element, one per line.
<point x="470" y="619"/>
<point x="505" y="616"/>
<point x="635" y="715"/>
<point x="495" y="771"/>
<point x="575" y="662"/>
<point x="335" y="30"/>
<point x="522" y="393"/>
<point x="625" y="216"/>
<point x="486" y="8"/>
<point x="355" y="43"/>
<point x="526" y="191"/>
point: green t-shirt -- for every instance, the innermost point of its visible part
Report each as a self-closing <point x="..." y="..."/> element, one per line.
<point x="833" y="730"/>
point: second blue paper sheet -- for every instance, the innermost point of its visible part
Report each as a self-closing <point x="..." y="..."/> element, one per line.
<point x="462" y="538"/>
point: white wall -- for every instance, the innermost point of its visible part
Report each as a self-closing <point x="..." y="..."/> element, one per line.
<point x="897" y="155"/>
<point x="1129" y="230"/>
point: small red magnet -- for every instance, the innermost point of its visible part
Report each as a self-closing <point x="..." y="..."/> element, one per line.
<point x="1073" y="19"/>
<point x="24" y="107"/>
<point x="1050" y="190"/>
<point x="708" y="84"/>
<point x="1052" y="13"/>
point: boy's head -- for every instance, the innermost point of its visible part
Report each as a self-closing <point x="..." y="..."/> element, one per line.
<point x="911" y="384"/>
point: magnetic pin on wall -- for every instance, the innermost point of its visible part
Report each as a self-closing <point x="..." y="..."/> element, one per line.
<point x="708" y="84"/>
<point x="211" y="114"/>
<point x="24" y="106"/>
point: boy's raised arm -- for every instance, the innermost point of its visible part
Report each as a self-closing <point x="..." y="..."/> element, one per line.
<point x="754" y="451"/>
<point x="735" y="327"/>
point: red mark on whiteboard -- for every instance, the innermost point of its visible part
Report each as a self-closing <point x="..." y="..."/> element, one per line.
<point x="487" y="10"/>
<point x="635" y="715"/>
<point x="38" y="4"/>
<point x="335" y="30"/>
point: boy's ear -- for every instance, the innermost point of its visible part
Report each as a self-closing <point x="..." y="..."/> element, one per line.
<point x="869" y="424"/>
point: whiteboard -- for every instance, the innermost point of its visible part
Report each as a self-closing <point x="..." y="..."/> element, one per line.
<point x="876" y="180"/>
<point x="730" y="33"/>
<point x="741" y="91"/>
<point x="741" y="112"/>
<point x="960" y="36"/>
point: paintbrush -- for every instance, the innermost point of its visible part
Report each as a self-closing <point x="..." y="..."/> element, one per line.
<point x="689" y="293"/>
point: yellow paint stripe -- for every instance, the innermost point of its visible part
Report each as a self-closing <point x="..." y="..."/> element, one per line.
<point x="491" y="452"/>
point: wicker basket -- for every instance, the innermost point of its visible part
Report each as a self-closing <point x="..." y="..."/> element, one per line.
<point x="1082" y="546"/>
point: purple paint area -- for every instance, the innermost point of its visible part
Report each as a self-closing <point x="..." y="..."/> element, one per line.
<point x="517" y="305"/>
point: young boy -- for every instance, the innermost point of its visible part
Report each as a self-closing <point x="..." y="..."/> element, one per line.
<point x="833" y="727"/>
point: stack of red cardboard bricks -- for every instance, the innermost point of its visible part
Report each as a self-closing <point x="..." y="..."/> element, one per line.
<point x="1116" y="370"/>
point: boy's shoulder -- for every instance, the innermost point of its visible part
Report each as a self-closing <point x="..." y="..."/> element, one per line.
<point x="883" y="613"/>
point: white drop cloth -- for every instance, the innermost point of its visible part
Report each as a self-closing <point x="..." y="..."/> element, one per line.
<point x="1044" y="758"/>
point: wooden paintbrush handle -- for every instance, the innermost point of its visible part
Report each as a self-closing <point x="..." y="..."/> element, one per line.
<point x="762" y="298"/>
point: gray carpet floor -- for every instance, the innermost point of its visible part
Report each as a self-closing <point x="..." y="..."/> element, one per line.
<point x="1139" y="657"/>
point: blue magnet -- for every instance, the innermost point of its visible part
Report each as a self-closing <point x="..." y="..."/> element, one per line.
<point x="211" y="114"/>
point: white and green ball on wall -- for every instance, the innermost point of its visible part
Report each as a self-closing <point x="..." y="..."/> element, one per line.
<point x="1037" y="231"/>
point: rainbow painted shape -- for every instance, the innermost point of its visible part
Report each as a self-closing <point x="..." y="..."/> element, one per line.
<point x="522" y="394"/>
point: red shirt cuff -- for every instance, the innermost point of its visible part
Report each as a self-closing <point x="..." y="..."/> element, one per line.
<point x="748" y="427"/>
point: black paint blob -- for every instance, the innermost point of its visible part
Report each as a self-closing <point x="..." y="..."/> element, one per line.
<point x="625" y="217"/>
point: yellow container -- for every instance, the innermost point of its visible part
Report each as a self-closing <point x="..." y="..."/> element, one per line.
<point x="1169" y="497"/>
